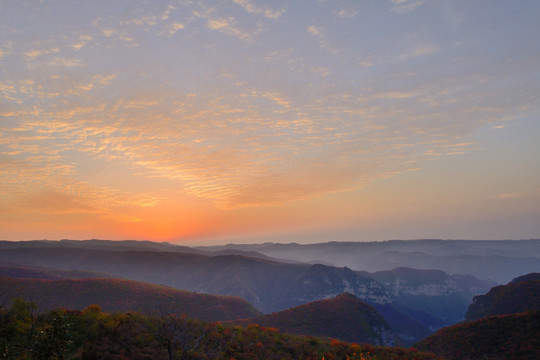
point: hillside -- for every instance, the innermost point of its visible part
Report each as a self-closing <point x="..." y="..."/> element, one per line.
<point x="344" y="317"/>
<point x="268" y="285"/>
<point x="521" y="294"/>
<point x="92" y="334"/>
<point x="15" y="270"/>
<point x="272" y="286"/>
<point x="115" y="295"/>
<point x="432" y="292"/>
<point x="514" y="336"/>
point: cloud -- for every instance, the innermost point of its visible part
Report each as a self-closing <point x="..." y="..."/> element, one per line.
<point x="347" y="13"/>
<point x="82" y="41"/>
<point x="420" y="50"/>
<point x="174" y="27"/>
<point x="401" y="6"/>
<point x="278" y="99"/>
<point x="243" y="123"/>
<point x="36" y="52"/>
<point x="264" y="10"/>
<point x="109" y="32"/>
<point x="229" y="26"/>
<point x="313" y="30"/>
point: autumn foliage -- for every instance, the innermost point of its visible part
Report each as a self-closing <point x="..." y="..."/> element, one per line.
<point x="514" y="336"/>
<point x="92" y="334"/>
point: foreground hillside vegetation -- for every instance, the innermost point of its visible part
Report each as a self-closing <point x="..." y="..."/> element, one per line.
<point x="521" y="294"/>
<point x="344" y="317"/>
<point x="118" y="295"/>
<point x="92" y="334"/>
<point x="505" y="325"/>
<point x="514" y="336"/>
<point x="413" y="302"/>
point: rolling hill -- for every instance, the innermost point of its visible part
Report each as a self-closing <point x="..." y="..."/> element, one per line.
<point x="521" y="294"/>
<point x="267" y="284"/>
<point x="116" y="295"/>
<point x="16" y="270"/>
<point x="512" y="336"/>
<point x="344" y="317"/>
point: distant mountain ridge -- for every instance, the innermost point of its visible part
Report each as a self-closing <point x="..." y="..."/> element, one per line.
<point x="498" y="260"/>
<point x="267" y="284"/>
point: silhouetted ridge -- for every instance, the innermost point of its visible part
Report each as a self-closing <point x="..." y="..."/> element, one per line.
<point x="518" y="296"/>
<point x="531" y="276"/>
<point x="514" y="336"/>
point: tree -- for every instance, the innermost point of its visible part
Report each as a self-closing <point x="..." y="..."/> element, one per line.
<point x="180" y="335"/>
<point x="54" y="341"/>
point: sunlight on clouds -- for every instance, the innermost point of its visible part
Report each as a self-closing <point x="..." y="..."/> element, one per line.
<point x="417" y="51"/>
<point x="36" y="53"/>
<point x="229" y="26"/>
<point x="241" y="104"/>
<point x="347" y="13"/>
<point x="83" y="40"/>
<point x="173" y="28"/>
<point x="266" y="11"/>
<point x="109" y="32"/>
<point x="406" y="5"/>
<point x="313" y="30"/>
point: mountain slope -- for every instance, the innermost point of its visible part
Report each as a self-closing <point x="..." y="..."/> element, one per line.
<point x="269" y="285"/>
<point x="521" y="294"/>
<point x="15" y="270"/>
<point x="91" y="334"/>
<point x="432" y="292"/>
<point x="514" y="336"/>
<point x="115" y="295"/>
<point x="344" y="317"/>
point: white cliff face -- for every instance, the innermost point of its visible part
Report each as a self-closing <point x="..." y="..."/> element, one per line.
<point x="441" y="287"/>
<point x="373" y="292"/>
<point x="400" y="287"/>
<point x="370" y="291"/>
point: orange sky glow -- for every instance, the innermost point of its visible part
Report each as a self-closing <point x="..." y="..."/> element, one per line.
<point x="252" y="120"/>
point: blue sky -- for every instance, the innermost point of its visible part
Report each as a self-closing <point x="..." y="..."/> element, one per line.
<point x="205" y="120"/>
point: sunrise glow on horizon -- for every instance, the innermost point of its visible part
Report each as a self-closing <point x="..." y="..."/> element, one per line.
<point x="200" y="121"/>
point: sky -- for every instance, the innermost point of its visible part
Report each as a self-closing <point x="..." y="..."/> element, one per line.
<point x="199" y="122"/>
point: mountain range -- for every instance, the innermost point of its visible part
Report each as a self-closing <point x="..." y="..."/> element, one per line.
<point x="497" y="260"/>
<point x="413" y="302"/>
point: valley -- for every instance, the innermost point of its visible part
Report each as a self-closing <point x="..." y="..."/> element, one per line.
<point x="244" y="286"/>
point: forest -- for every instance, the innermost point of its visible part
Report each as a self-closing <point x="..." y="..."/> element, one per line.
<point x="92" y="334"/>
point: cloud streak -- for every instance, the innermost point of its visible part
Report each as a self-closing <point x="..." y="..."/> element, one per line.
<point x="245" y="104"/>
